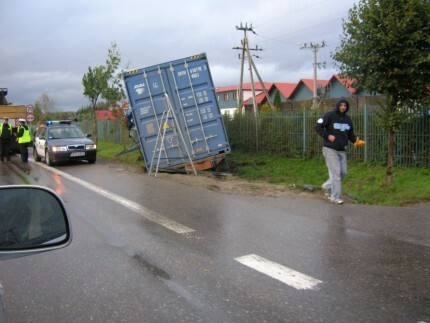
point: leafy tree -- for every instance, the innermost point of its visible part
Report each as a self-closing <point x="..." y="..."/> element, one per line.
<point x="84" y="113"/>
<point x="102" y="82"/>
<point x="385" y="49"/>
<point x="265" y="108"/>
<point x="277" y="100"/>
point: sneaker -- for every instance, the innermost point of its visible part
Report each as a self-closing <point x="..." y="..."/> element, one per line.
<point x="327" y="190"/>
<point x="336" y="201"/>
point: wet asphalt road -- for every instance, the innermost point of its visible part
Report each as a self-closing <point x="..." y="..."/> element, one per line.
<point x="128" y="263"/>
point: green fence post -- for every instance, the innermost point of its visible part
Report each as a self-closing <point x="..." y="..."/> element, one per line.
<point x="304" y="131"/>
<point x="365" y="131"/>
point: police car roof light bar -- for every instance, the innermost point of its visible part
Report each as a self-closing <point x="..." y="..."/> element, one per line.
<point x="57" y="122"/>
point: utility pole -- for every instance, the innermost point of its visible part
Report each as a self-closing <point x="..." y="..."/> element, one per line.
<point x="246" y="52"/>
<point x="315" y="48"/>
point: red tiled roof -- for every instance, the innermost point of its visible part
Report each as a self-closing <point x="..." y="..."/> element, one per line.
<point x="259" y="99"/>
<point x="286" y="89"/>
<point x="309" y="83"/>
<point x="105" y="115"/>
<point x="347" y="82"/>
<point x="245" y="87"/>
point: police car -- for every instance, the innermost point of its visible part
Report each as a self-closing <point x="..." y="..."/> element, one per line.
<point x="59" y="141"/>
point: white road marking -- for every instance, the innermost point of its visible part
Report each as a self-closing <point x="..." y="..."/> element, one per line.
<point x="284" y="274"/>
<point x="135" y="207"/>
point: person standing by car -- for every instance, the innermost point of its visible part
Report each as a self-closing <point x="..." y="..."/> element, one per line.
<point x="335" y="127"/>
<point x="5" y="139"/>
<point x="24" y="139"/>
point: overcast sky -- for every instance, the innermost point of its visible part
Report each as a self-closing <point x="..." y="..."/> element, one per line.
<point x="48" y="45"/>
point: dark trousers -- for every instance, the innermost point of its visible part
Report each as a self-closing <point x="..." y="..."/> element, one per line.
<point x="24" y="152"/>
<point x="5" y="146"/>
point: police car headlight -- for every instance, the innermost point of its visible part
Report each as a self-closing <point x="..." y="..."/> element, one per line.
<point x="89" y="147"/>
<point x="59" y="148"/>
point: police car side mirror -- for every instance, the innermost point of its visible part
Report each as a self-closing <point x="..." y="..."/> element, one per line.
<point x="32" y="220"/>
<point x="89" y="135"/>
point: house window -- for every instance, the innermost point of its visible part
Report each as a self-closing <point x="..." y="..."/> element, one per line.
<point x="234" y="95"/>
<point x="218" y="97"/>
<point x="225" y="96"/>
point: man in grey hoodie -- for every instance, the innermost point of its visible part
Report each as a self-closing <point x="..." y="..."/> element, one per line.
<point x="336" y="129"/>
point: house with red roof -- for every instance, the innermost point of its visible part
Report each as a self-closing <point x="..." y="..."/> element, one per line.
<point x="228" y="96"/>
<point x="285" y="89"/>
<point x="335" y="87"/>
<point x="342" y="87"/>
<point x="105" y="115"/>
<point x="304" y="90"/>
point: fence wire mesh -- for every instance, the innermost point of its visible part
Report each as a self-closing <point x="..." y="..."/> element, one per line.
<point x="292" y="134"/>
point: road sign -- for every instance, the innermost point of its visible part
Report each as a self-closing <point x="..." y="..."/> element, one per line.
<point x="30" y="117"/>
<point x="30" y="108"/>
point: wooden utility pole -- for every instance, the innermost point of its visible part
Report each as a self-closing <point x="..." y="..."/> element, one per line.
<point x="315" y="48"/>
<point x="245" y="49"/>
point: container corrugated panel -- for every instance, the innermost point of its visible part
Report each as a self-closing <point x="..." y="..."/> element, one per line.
<point x="176" y="112"/>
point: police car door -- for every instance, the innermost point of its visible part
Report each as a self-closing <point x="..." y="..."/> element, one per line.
<point x="40" y="142"/>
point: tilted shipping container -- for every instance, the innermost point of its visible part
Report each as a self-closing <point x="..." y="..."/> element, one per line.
<point x="176" y="113"/>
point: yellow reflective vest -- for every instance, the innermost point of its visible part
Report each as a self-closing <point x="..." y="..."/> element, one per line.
<point x="25" y="136"/>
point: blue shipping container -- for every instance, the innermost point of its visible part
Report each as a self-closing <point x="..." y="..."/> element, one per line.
<point x="176" y="113"/>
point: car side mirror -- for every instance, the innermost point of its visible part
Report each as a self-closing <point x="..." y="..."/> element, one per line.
<point x="89" y="135"/>
<point x="33" y="219"/>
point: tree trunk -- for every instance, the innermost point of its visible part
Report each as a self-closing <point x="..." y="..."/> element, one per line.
<point x="390" y="144"/>
<point x="95" y="127"/>
<point x="390" y="158"/>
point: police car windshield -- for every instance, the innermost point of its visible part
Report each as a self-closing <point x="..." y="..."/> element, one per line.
<point x="64" y="132"/>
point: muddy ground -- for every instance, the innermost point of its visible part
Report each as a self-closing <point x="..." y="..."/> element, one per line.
<point x="230" y="184"/>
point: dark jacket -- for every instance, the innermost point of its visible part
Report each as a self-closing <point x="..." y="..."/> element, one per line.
<point x="6" y="132"/>
<point x="337" y="124"/>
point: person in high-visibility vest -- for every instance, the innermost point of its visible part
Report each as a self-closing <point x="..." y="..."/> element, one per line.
<point x="24" y="139"/>
<point x="5" y="139"/>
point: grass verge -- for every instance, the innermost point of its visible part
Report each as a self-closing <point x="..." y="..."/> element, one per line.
<point x="363" y="184"/>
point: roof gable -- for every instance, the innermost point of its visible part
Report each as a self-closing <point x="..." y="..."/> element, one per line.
<point x="286" y="89"/>
<point x="309" y="84"/>
<point x="259" y="98"/>
<point x="345" y="81"/>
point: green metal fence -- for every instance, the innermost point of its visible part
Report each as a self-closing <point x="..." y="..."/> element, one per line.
<point x="108" y="130"/>
<point x="292" y="134"/>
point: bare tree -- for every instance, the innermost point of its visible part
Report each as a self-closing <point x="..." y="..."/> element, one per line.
<point x="45" y="103"/>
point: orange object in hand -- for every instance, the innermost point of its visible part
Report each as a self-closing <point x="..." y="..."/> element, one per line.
<point x="359" y="143"/>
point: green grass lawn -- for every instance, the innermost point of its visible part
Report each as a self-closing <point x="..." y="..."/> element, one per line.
<point x="108" y="151"/>
<point x="363" y="184"/>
